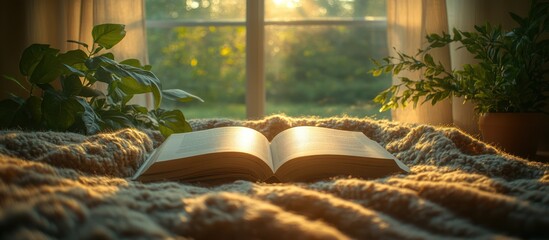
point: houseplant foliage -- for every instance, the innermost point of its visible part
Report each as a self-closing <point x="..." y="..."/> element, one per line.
<point x="509" y="75"/>
<point x="62" y="94"/>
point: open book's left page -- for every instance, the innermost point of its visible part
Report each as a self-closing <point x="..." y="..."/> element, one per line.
<point x="225" y="139"/>
<point x="202" y="151"/>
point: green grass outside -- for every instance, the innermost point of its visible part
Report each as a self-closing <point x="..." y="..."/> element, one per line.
<point x="238" y="111"/>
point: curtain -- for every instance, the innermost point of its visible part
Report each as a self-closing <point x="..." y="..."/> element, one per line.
<point x="408" y="22"/>
<point x="56" y="21"/>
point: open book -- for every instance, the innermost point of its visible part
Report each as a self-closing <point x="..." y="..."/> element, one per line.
<point x="296" y="154"/>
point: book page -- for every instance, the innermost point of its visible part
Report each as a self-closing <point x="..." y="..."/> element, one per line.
<point x="217" y="140"/>
<point x="308" y="141"/>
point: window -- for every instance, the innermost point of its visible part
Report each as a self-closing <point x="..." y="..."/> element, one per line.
<point x="305" y="57"/>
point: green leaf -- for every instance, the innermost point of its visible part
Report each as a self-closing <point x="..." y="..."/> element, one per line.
<point x="136" y="81"/>
<point x="71" y="85"/>
<point x="481" y="29"/>
<point x="132" y="62"/>
<point x="377" y="72"/>
<point x="136" y="63"/>
<point x="438" y="44"/>
<point x="429" y="72"/>
<point x="98" y="49"/>
<point x="108" y="35"/>
<point x="380" y="98"/>
<point x="133" y="86"/>
<point x="90" y="92"/>
<point x="46" y="87"/>
<point x="116" y="95"/>
<point x="32" y="55"/>
<point x="74" y="61"/>
<point x="72" y="70"/>
<point x="48" y="69"/>
<point x="397" y="69"/>
<point x="103" y="74"/>
<point x="79" y="43"/>
<point x="385" y="108"/>
<point x="517" y="18"/>
<point x="90" y="119"/>
<point x="16" y="82"/>
<point x="179" y="95"/>
<point x="137" y="109"/>
<point x="114" y="119"/>
<point x="73" y="57"/>
<point x="457" y="35"/>
<point x="60" y="112"/>
<point x="108" y="55"/>
<point x="172" y="122"/>
<point x="103" y="60"/>
<point x="140" y="116"/>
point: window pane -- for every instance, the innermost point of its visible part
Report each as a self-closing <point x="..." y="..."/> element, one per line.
<point x="310" y="69"/>
<point x="195" y="9"/>
<point x="322" y="70"/>
<point x="206" y="61"/>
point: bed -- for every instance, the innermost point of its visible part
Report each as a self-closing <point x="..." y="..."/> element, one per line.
<point x="66" y="185"/>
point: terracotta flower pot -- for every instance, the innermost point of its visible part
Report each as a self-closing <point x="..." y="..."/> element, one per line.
<point x="514" y="133"/>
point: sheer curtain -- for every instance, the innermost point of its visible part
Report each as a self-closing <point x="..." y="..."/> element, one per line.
<point x="56" y="21"/>
<point x="408" y="22"/>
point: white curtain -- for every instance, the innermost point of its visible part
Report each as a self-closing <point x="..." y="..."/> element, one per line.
<point x="56" y="21"/>
<point x="408" y="22"/>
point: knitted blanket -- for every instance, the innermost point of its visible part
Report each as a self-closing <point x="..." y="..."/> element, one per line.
<point x="66" y="185"/>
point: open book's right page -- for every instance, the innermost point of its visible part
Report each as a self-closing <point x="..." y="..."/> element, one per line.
<point x="309" y="141"/>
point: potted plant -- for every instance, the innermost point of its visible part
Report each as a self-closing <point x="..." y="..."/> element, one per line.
<point x="61" y="93"/>
<point x="508" y="83"/>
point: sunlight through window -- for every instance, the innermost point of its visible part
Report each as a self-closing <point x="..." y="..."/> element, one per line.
<point x="287" y="3"/>
<point x="315" y="62"/>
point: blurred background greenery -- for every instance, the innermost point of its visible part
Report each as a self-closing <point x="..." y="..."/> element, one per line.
<point x="319" y="67"/>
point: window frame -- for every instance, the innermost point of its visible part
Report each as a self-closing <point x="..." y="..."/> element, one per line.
<point x="255" y="24"/>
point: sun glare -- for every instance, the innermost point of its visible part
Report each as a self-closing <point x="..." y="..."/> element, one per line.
<point x="287" y="3"/>
<point x="245" y="139"/>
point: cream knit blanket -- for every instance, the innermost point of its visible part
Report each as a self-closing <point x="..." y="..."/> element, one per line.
<point x="65" y="185"/>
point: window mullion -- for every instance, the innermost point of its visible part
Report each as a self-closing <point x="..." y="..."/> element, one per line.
<point x="255" y="67"/>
